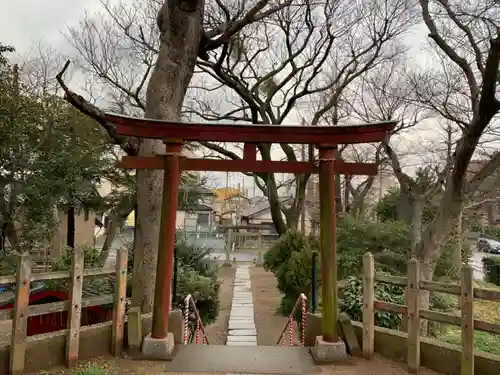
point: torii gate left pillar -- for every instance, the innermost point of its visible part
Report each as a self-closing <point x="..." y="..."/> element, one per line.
<point x="160" y="344"/>
<point x="165" y="263"/>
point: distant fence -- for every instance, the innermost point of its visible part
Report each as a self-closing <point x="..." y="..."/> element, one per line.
<point x="22" y="310"/>
<point x="414" y="286"/>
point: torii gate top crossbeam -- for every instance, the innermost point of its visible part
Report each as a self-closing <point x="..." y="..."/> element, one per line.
<point x="333" y="135"/>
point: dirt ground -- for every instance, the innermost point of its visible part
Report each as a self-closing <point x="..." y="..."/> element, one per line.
<point x="217" y="332"/>
<point x="377" y="366"/>
<point x="266" y="300"/>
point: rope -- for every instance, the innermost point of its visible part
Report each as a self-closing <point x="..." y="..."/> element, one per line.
<point x="304" y="322"/>
<point x="197" y="331"/>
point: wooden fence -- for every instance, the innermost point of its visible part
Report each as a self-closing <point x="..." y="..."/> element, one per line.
<point x="73" y="306"/>
<point x="414" y="286"/>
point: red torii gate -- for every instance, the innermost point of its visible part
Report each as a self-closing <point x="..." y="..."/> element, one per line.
<point x="325" y="138"/>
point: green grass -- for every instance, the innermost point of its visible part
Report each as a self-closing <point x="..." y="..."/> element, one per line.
<point x="486" y="311"/>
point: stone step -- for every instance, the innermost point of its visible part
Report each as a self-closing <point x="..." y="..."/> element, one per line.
<point x="241" y="325"/>
<point x="242" y="332"/>
<point x="245" y="319"/>
<point x="245" y="359"/>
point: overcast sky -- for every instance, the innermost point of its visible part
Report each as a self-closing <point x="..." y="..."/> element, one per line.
<point x="24" y="23"/>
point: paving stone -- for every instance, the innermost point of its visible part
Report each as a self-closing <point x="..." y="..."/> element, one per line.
<point x="241" y="326"/>
<point x="242" y="332"/>
<point x="245" y="309"/>
<point x="239" y="318"/>
<point x="238" y="324"/>
<point x="242" y="338"/>
<point x="241" y="329"/>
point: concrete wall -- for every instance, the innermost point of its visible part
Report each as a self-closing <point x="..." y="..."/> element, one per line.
<point x="435" y="355"/>
<point x="48" y="350"/>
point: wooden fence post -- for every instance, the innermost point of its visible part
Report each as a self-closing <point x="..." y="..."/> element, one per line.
<point x="119" y="303"/>
<point x="75" y="307"/>
<point x="413" y="312"/>
<point x="467" y="306"/>
<point x="368" y="308"/>
<point x="20" y="316"/>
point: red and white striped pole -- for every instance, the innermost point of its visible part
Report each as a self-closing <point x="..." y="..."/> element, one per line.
<point x="304" y="320"/>
<point x="186" y="319"/>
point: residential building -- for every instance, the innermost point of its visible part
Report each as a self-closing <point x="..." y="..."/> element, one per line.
<point x="259" y="215"/>
<point x="228" y="205"/>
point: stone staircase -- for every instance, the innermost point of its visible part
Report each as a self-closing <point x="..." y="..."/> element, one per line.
<point x="241" y="329"/>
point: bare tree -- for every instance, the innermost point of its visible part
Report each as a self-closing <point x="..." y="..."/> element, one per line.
<point x="307" y="53"/>
<point x="386" y="95"/>
<point x="468" y="36"/>
<point x="129" y="35"/>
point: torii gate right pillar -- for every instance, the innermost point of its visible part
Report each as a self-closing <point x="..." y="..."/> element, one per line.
<point x="328" y="347"/>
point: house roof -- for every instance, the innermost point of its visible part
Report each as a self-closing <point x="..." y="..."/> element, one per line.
<point x="196" y="207"/>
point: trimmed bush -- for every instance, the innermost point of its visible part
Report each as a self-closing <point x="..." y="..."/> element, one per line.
<point x="197" y="275"/>
<point x="290" y="260"/>
<point x="491" y="266"/>
<point x="351" y="302"/>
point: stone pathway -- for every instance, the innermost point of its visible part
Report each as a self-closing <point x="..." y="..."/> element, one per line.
<point x="241" y="328"/>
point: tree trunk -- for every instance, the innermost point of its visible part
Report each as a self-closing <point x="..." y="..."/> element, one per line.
<point x="180" y="24"/>
<point x="55" y="240"/>
<point x="118" y="217"/>
<point x="456" y="240"/>
<point x="417" y="206"/>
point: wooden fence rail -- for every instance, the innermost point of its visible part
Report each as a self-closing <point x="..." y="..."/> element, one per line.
<point x="466" y="291"/>
<point x="74" y="305"/>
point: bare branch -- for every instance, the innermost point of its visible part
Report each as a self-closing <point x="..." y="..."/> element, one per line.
<point x="93" y="112"/>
